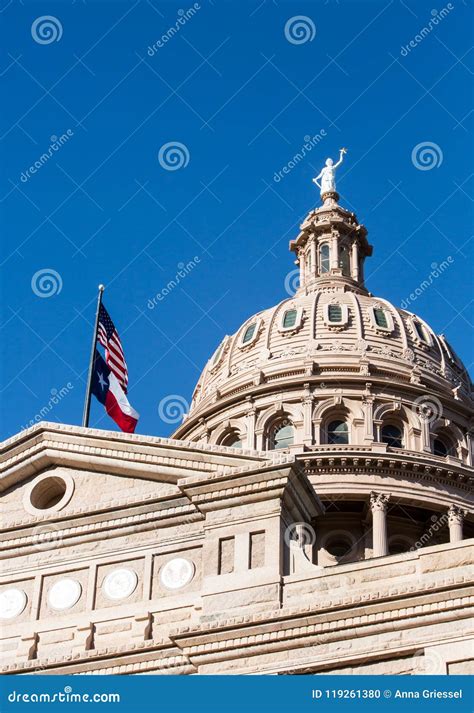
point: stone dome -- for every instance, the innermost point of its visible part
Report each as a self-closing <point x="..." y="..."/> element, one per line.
<point x="335" y="346"/>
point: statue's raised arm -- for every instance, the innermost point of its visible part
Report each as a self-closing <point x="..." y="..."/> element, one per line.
<point x="341" y="155"/>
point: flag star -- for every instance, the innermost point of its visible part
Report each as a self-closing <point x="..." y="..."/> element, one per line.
<point x="102" y="381"/>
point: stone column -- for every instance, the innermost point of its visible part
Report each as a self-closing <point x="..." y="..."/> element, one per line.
<point x="334" y="251"/>
<point x="250" y="419"/>
<point x="307" y="416"/>
<point x="355" y="261"/>
<point x="368" y="407"/>
<point x="313" y="257"/>
<point x="378" y="506"/>
<point x="455" y="521"/>
<point x="302" y="261"/>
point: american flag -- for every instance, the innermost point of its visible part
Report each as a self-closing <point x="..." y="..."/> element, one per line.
<point x="108" y="336"/>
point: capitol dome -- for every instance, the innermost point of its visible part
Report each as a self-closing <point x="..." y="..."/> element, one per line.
<point x="334" y="343"/>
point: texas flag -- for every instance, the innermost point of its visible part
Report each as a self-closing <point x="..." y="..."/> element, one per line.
<point x="107" y="390"/>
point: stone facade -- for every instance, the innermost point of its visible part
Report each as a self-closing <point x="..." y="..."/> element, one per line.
<point x="313" y="513"/>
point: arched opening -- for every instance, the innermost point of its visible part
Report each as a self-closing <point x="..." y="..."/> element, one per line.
<point x="345" y="261"/>
<point x="392" y="435"/>
<point x="281" y="435"/>
<point x="443" y="445"/>
<point x="399" y="545"/>
<point x="232" y="440"/>
<point x="338" y="546"/>
<point x="324" y="258"/>
<point x="337" y="432"/>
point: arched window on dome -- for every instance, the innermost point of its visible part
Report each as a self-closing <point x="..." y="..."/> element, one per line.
<point x="392" y="435"/>
<point x="443" y="446"/>
<point x="398" y="544"/>
<point x="335" y="313"/>
<point x="232" y="440"/>
<point x="249" y="333"/>
<point x="421" y="331"/>
<point x="380" y="318"/>
<point x="281" y="435"/>
<point x="324" y="258"/>
<point x="289" y="318"/>
<point x="450" y="353"/>
<point x="337" y="432"/>
<point x="345" y="261"/>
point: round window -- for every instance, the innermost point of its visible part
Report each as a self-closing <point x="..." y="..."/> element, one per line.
<point x="48" y="493"/>
<point x="338" y="546"/>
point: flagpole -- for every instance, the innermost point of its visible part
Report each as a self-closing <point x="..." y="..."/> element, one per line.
<point x="87" y="403"/>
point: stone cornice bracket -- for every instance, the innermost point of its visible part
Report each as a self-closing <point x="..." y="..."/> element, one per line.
<point x="28" y="647"/>
<point x="286" y="482"/>
<point x="456" y="515"/>
<point x="379" y="501"/>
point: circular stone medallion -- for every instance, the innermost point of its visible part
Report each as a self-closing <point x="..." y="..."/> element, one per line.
<point x="64" y="594"/>
<point x="12" y="603"/>
<point x="120" y="583"/>
<point x="177" y="573"/>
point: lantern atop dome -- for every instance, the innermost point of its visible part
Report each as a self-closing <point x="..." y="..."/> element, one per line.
<point x="332" y="245"/>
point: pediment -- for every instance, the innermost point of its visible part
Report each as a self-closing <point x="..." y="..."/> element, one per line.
<point x="63" y="493"/>
<point x="161" y="460"/>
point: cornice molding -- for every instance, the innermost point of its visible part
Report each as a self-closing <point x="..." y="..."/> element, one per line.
<point x="161" y="459"/>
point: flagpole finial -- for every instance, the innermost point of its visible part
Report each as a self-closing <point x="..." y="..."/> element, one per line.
<point x="101" y="288"/>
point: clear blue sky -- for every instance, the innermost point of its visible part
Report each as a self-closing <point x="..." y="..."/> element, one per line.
<point x="241" y="97"/>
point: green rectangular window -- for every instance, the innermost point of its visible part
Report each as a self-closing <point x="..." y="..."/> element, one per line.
<point x="380" y="318"/>
<point x="289" y="319"/>
<point x="335" y="313"/>
<point x="249" y="332"/>
<point x="420" y="331"/>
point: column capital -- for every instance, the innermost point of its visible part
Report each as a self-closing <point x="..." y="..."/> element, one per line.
<point x="456" y="515"/>
<point x="379" y="501"/>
